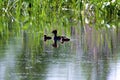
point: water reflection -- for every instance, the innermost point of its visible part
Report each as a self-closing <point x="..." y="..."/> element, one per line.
<point x="7" y="63"/>
<point x="90" y="60"/>
<point x="114" y="71"/>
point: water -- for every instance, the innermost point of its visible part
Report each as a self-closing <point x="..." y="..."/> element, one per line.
<point x="21" y="60"/>
<point x="91" y="54"/>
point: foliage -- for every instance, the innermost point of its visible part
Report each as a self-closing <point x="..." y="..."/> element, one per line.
<point x="36" y="15"/>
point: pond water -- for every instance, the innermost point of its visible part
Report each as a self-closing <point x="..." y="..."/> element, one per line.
<point x="77" y="59"/>
<point x="93" y="52"/>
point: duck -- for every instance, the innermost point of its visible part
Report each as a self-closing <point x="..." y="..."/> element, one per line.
<point x="64" y="39"/>
<point x="47" y="38"/>
<point x="58" y="38"/>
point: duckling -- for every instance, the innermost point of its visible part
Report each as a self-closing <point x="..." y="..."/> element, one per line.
<point x="65" y="39"/>
<point x="47" y="38"/>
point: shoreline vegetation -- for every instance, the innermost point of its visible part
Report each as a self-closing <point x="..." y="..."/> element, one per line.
<point x="96" y="19"/>
<point x="38" y="15"/>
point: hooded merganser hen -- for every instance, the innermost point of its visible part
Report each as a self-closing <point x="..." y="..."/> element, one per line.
<point x="47" y="38"/>
<point x="55" y="35"/>
<point x="63" y="38"/>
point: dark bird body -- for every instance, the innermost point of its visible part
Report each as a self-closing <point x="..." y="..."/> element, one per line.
<point x="55" y="35"/>
<point x="47" y="38"/>
<point x="62" y="38"/>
